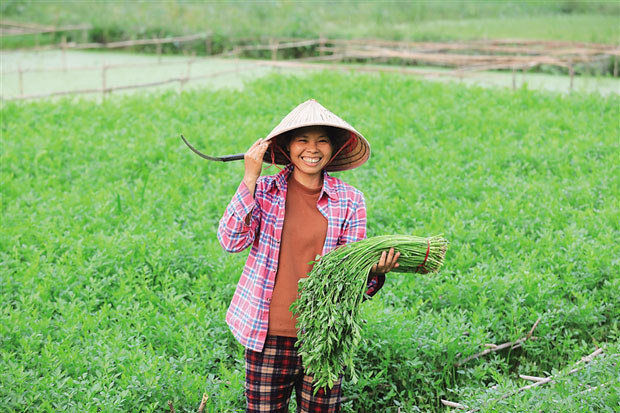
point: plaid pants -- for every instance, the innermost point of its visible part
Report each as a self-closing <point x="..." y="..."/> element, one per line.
<point x="270" y="376"/>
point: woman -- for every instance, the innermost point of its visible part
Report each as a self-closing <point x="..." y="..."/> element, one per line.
<point x="289" y="219"/>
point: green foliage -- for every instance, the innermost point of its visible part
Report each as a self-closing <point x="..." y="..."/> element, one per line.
<point x="329" y="300"/>
<point x="113" y="287"/>
<point x="424" y="20"/>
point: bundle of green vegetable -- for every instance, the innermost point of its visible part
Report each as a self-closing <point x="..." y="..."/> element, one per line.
<point x="329" y="299"/>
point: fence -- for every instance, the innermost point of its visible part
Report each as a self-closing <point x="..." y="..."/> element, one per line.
<point x="462" y="57"/>
<point x="104" y="69"/>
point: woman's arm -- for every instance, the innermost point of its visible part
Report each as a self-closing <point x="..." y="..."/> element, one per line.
<point x="355" y="230"/>
<point x="241" y="220"/>
<point x="239" y="225"/>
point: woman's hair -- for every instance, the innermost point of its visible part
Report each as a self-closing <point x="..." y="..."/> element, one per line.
<point x="337" y="136"/>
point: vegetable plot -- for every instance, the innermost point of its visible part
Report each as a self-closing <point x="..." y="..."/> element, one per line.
<point x="329" y="299"/>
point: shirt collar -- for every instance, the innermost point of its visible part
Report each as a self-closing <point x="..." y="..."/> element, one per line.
<point x="328" y="182"/>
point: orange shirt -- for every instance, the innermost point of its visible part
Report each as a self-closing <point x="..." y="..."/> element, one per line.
<point x="303" y="236"/>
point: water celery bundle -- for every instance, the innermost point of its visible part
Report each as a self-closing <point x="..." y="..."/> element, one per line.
<point x="329" y="299"/>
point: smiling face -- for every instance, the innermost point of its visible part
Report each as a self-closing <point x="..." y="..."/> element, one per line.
<point x="310" y="150"/>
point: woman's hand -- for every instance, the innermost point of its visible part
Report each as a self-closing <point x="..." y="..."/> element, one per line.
<point x="387" y="262"/>
<point x="253" y="160"/>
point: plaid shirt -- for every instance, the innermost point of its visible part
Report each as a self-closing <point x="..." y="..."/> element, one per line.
<point x="340" y="203"/>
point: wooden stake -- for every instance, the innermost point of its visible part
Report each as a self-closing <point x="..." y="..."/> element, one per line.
<point x="571" y="71"/>
<point x="453" y="404"/>
<point x="21" y="81"/>
<point x="159" y="51"/>
<point x="544" y="380"/>
<point x="274" y="49"/>
<point x="514" y="79"/>
<point x="104" y="69"/>
<point x="616" y="66"/>
<point x="321" y="45"/>
<point x="208" y="46"/>
<point x="491" y="347"/>
<point x="63" y="46"/>
<point x="187" y="74"/>
<point x="531" y="378"/>
<point x="203" y="402"/>
<point x="593" y="388"/>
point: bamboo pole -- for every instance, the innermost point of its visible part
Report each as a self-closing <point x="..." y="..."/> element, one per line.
<point x="127" y="87"/>
<point x="593" y="388"/>
<point x="359" y="68"/>
<point x="21" y="29"/>
<point x="52" y="94"/>
<point x="532" y="378"/>
<point x="159" y="52"/>
<point x="63" y="46"/>
<point x="104" y="70"/>
<point x="544" y="380"/>
<point x="208" y="46"/>
<point x="274" y="49"/>
<point x="137" y="42"/>
<point x="203" y="402"/>
<point x="187" y="74"/>
<point x="98" y="68"/>
<point x="21" y="81"/>
<point x="280" y="45"/>
<point x="453" y="404"/>
<point x="492" y="348"/>
<point x="176" y="79"/>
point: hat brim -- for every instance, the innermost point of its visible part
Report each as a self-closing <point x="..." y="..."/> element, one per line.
<point x="311" y="113"/>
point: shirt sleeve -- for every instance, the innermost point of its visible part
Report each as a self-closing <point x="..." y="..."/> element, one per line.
<point x="375" y="283"/>
<point x="355" y="230"/>
<point x="355" y="225"/>
<point x="233" y="233"/>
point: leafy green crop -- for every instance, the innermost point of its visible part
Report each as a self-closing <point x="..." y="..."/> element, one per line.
<point x="329" y="299"/>
<point x="113" y="288"/>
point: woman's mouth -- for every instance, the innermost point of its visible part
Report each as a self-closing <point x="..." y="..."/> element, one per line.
<point x="312" y="160"/>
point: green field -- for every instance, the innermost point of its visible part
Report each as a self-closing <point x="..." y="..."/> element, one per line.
<point x="113" y="287"/>
<point x="429" y="20"/>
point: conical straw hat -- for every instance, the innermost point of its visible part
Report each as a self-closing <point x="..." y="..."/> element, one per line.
<point x="312" y="113"/>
